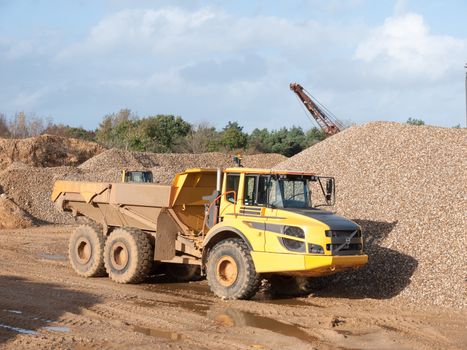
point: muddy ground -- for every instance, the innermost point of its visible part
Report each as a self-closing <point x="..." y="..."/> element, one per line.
<point x="44" y="305"/>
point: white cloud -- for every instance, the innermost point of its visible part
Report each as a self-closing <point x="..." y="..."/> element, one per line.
<point x="208" y="63"/>
<point x="169" y="32"/>
<point x="403" y="45"/>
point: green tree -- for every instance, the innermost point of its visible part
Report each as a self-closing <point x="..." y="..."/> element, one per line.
<point x="115" y="129"/>
<point x="70" y="131"/>
<point x="258" y="141"/>
<point x="313" y="136"/>
<point x="287" y="142"/>
<point x="414" y="121"/>
<point x="233" y="137"/>
<point x="163" y="133"/>
<point x="202" y="138"/>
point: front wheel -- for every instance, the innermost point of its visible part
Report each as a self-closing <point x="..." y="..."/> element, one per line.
<point x="231" y="272"/>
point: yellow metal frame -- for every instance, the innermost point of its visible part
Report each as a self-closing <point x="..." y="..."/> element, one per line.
<point x="269" y="255"/>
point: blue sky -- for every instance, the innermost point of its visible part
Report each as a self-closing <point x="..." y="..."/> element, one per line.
<point x="216" y="61"/>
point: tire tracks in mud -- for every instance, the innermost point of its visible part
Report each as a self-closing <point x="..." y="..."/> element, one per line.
<point x="102" y="315"/>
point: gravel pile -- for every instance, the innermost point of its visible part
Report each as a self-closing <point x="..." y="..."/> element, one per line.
<point x="406" y="186"/>
<point x="46" y="151"/>
<point x="12" y="216"/>
<point x="108" y="165"/>
<point x="30" y="187"/>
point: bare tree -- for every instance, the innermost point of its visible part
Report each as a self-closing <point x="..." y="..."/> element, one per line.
<point x="202" y="138"/>
<point x="4" y="131"/>
<point x="18" y="127"/>
<point x="22" y="125"/>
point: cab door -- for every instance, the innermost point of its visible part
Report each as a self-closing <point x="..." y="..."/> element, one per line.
<point x="252" y="207"/>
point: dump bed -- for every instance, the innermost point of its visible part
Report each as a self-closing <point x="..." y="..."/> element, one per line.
<point x="140" y="204"/>
<point x="114" y="204"/>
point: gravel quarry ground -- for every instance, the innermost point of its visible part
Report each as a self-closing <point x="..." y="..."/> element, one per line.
<point x="44" y="305"/>
<point x="405" y="185"/>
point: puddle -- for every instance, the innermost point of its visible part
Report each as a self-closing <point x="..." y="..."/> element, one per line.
<point x="286" y="302"/>
<point x="193" y="306"/>
<point x="344" y="332"/>
<point x="236" y="318"/>
<point x="198" y="288"/>
<point x="229" y="317"/>
<point x="158" y="333"/>
<point x="17" y="329"/>
<point x="196" y="307"/>
<point x="347" y="333"/>
<point x="41" y="319"/>
<point x="17" y="312"/>
<point x="58" y="329"/>
<point x="53" y="257"/>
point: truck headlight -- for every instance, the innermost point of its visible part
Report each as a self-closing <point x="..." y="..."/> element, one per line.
<point x="315" y="249"/>
<point x="292" y="245"/>
<point x="293" y="231"/>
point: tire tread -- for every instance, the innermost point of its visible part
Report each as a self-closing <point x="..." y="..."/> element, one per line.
<point x="250" y="288"/>
<point x="96" y="271"/>
<point x="144" y="251"/>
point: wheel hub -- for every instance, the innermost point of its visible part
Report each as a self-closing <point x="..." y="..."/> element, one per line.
<point x="119" y="256"/>
<point x="226" y="271"/>
<point x="83" y="250"/>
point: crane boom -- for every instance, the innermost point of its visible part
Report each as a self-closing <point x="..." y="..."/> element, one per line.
<point x="328" y="124"/>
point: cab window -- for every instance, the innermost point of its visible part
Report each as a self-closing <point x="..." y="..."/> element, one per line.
<point x="256" y="190"/>
<point x="232" y="185"/>
<point x="249" y="195"/>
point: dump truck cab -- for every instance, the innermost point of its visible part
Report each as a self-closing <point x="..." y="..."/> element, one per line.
<point x="137" y="176"/>
<point x="275" y="214"/>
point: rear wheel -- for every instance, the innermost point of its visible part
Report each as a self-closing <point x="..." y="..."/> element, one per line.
<point x="86" y="251"/>
<point x="231" y="272"/>
<point x="128" y="255"/>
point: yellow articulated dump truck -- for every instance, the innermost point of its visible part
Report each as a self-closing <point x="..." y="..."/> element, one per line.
<point x="235" y="226"/>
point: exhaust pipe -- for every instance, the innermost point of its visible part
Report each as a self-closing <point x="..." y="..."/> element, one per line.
<point x="219" y="179"/>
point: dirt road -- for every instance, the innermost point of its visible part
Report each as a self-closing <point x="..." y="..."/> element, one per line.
<point x="44" y="305"/>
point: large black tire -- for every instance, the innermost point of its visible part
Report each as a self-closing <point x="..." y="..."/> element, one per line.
<point x="231" y="272"/>
<point x="184" y="272"/>
<point x="128" y="255"/>
<point x="86" y="251"/>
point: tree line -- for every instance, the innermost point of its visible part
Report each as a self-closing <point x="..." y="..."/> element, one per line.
<point x="167" y="134"/>
<point x="170" y="134"/>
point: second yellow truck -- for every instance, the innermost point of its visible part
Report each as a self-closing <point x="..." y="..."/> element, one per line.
<point x="235" y="225"/>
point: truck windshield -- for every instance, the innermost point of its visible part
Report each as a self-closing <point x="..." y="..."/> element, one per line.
<point x="289" y="192"/>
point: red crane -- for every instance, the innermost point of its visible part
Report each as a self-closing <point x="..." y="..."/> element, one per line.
<point x="329" y="123"/>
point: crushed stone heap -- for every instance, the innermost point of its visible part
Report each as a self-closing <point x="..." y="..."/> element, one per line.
<point x="108" y="165"/>
<point x="46" y="151"/>
<point x="31" y="187"/>
<point x="406" y="186"/>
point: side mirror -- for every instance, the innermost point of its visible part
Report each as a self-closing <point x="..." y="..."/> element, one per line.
<point x="329" y="189"/>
